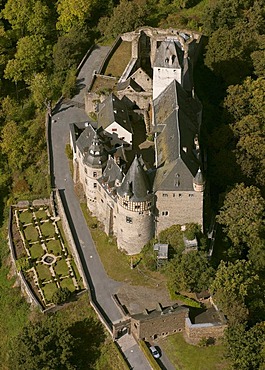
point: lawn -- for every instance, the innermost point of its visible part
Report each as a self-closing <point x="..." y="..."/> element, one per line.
<point x="77" y="275"/>
<point x="61" y="268"/>
<point x="31" y="233"/>
<point x="119" y="60"/>
<point x="47" y="229"/>
<point x="67" y="283"/>
<point x="36" y="251"/>
<point x="117" y="264"/>
<point x="25" y="217"/>
<point x="43" y="272"/>
<point x="41" y="214"/>
<point x="54" y="247"/>
<point x="185" y="356"/>
<point x="49" y="290"/>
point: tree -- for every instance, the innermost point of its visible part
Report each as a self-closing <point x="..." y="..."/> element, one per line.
<point x="190" y="272"/>
<point x="126" y="16"/>
<point x="245" y="348"/>
<point x="233" y="284"/>
<point x="31" y="57"/>
<point x="73" y="13"/>
<point x="44" y="345"/>
<point x="18" y="12"/>
<point x="41" y="89"/>
<point x="242" y="216"/>
<point x="61" y="295"/>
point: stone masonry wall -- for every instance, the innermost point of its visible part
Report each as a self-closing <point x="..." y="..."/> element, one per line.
<point x="196" y="332"/>
<point x="182" y="207"/>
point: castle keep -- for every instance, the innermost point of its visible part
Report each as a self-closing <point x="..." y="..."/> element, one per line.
<point x="140" y="162"/>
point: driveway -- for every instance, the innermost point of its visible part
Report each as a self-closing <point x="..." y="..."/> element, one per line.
<point x="103" y="287"/>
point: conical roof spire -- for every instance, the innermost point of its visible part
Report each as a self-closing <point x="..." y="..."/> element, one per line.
<point x="135" y="185"/>
<point x="96" y="155"/>
<point x="198" y="181"/>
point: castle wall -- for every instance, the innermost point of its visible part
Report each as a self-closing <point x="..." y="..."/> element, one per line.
<point x="180" y="207"/>
<point x="196" y="332"/>
<point x="142" y="99"/>
<point x="133" y="230"/>
<point x="105" y="209"/>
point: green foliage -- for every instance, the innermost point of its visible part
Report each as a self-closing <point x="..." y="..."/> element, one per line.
<point x="23" y="264"/>
<point x="126" y="16"/>
<point x="72" y="13"/>
<point x="149" y="257"/>
<point x="44" y="345"/>
<point x="69" y="87"/>
<point x="245" y="347"/>
<point x="242" y="218"/>
<point x="190" y="272"/>
<point x="185" y="300"/>
<point x="31" y="57"/>
<point x="69" y="152"/>
<point x="61" y="295"/>
<point x="232" y="288"/>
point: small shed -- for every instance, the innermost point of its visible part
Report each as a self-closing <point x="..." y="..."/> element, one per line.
<point x="162" y="253"/>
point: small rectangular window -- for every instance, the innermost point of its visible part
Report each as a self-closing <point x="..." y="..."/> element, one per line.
<point x="164" y="213"/>
<point x="95" y="185"/>
<point x="165" y="195"/>
<point x="191" y="195"/>
<point x="129" y="220"/>
<point x="94" y="174"/>
<point x="114" y="129"/>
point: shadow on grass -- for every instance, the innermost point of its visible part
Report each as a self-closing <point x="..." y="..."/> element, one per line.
<point x="91" y="336"/>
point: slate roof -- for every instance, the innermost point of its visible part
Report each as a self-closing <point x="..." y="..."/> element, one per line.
<point x="169" y="55"/>
<point x="85" y="139"/>
<point x="149" y="315"/>
<point x="96" y="156"/>
<point x="135" y="183"/>
<point x="112" y="109"/>
<point x="111" y="173"/>
<point x="176" y="117"/>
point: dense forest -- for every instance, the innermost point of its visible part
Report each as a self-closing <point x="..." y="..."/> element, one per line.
<point x="42" y="42"/>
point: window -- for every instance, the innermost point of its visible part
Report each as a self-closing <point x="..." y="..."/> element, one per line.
<point x="137" y="207"/>
<point x="114" y="129"/>
<point x="164" y="213"/>
<point x="85" y="170"/>
<point x="94" y="174"/>
<point x="191" y="195"/>
<point x="95" y="185"/>
<point x="122" y="138"/>
<point x="165" y="195"/>
<point x="125" y="204"/>
<point x="180" y="195"/>
<point x="128" y="220"/>
<point x="174" y="195"/>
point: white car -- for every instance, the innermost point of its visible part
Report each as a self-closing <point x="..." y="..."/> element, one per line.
<point x="154" y="352"/>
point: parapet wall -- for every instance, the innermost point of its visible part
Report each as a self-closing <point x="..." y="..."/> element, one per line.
<point x="196" y="332"/>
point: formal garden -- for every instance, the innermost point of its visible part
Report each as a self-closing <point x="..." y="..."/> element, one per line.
<point x="42" y="255"/>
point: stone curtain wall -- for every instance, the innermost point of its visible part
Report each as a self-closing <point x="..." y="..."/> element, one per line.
<point x="196" y="332"/>
<point x="69" y="237"/>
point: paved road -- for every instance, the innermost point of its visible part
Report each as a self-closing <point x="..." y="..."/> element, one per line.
<point x="103" y="286"/>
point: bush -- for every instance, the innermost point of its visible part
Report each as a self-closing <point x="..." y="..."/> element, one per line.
<point x="61" y="295"/>
<point x="68" y="151"/>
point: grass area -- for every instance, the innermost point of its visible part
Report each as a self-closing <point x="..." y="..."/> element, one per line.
<point x="119" y="60"/>
<point x="117" y="264"/>
<point x="102" y="85"/>
<point x="48" y="229"/>
<point x="97" y="350"/>
<point x="43" y="272"/>
<point x="25" y="217"/>
<point x="36" y="251"/>
<point x="14" y="310"/>
<point x="77" y="275"/>
<point x="54" y="246"/>
<point x="67" y="283"/>
<point x="185" y="356"/>
<point x="49" y="290"/>
<point x="41" y="214"/>
<point x="61" y="268"/>
<point x="31" y="233"/>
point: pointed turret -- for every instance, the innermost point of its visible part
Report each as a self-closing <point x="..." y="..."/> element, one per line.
<point x="135" y="186"/>
<point x="96" y="155"/>
<point x="198" y="181"/>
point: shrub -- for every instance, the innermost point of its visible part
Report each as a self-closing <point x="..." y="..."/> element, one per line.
<point x="61" y="295"/>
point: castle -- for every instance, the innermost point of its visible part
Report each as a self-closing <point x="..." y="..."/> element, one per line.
<point x="140" y="162"/>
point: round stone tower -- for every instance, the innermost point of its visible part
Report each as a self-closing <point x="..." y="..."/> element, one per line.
<point x="135" y="203"/>
<point x="94" y="163"/>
